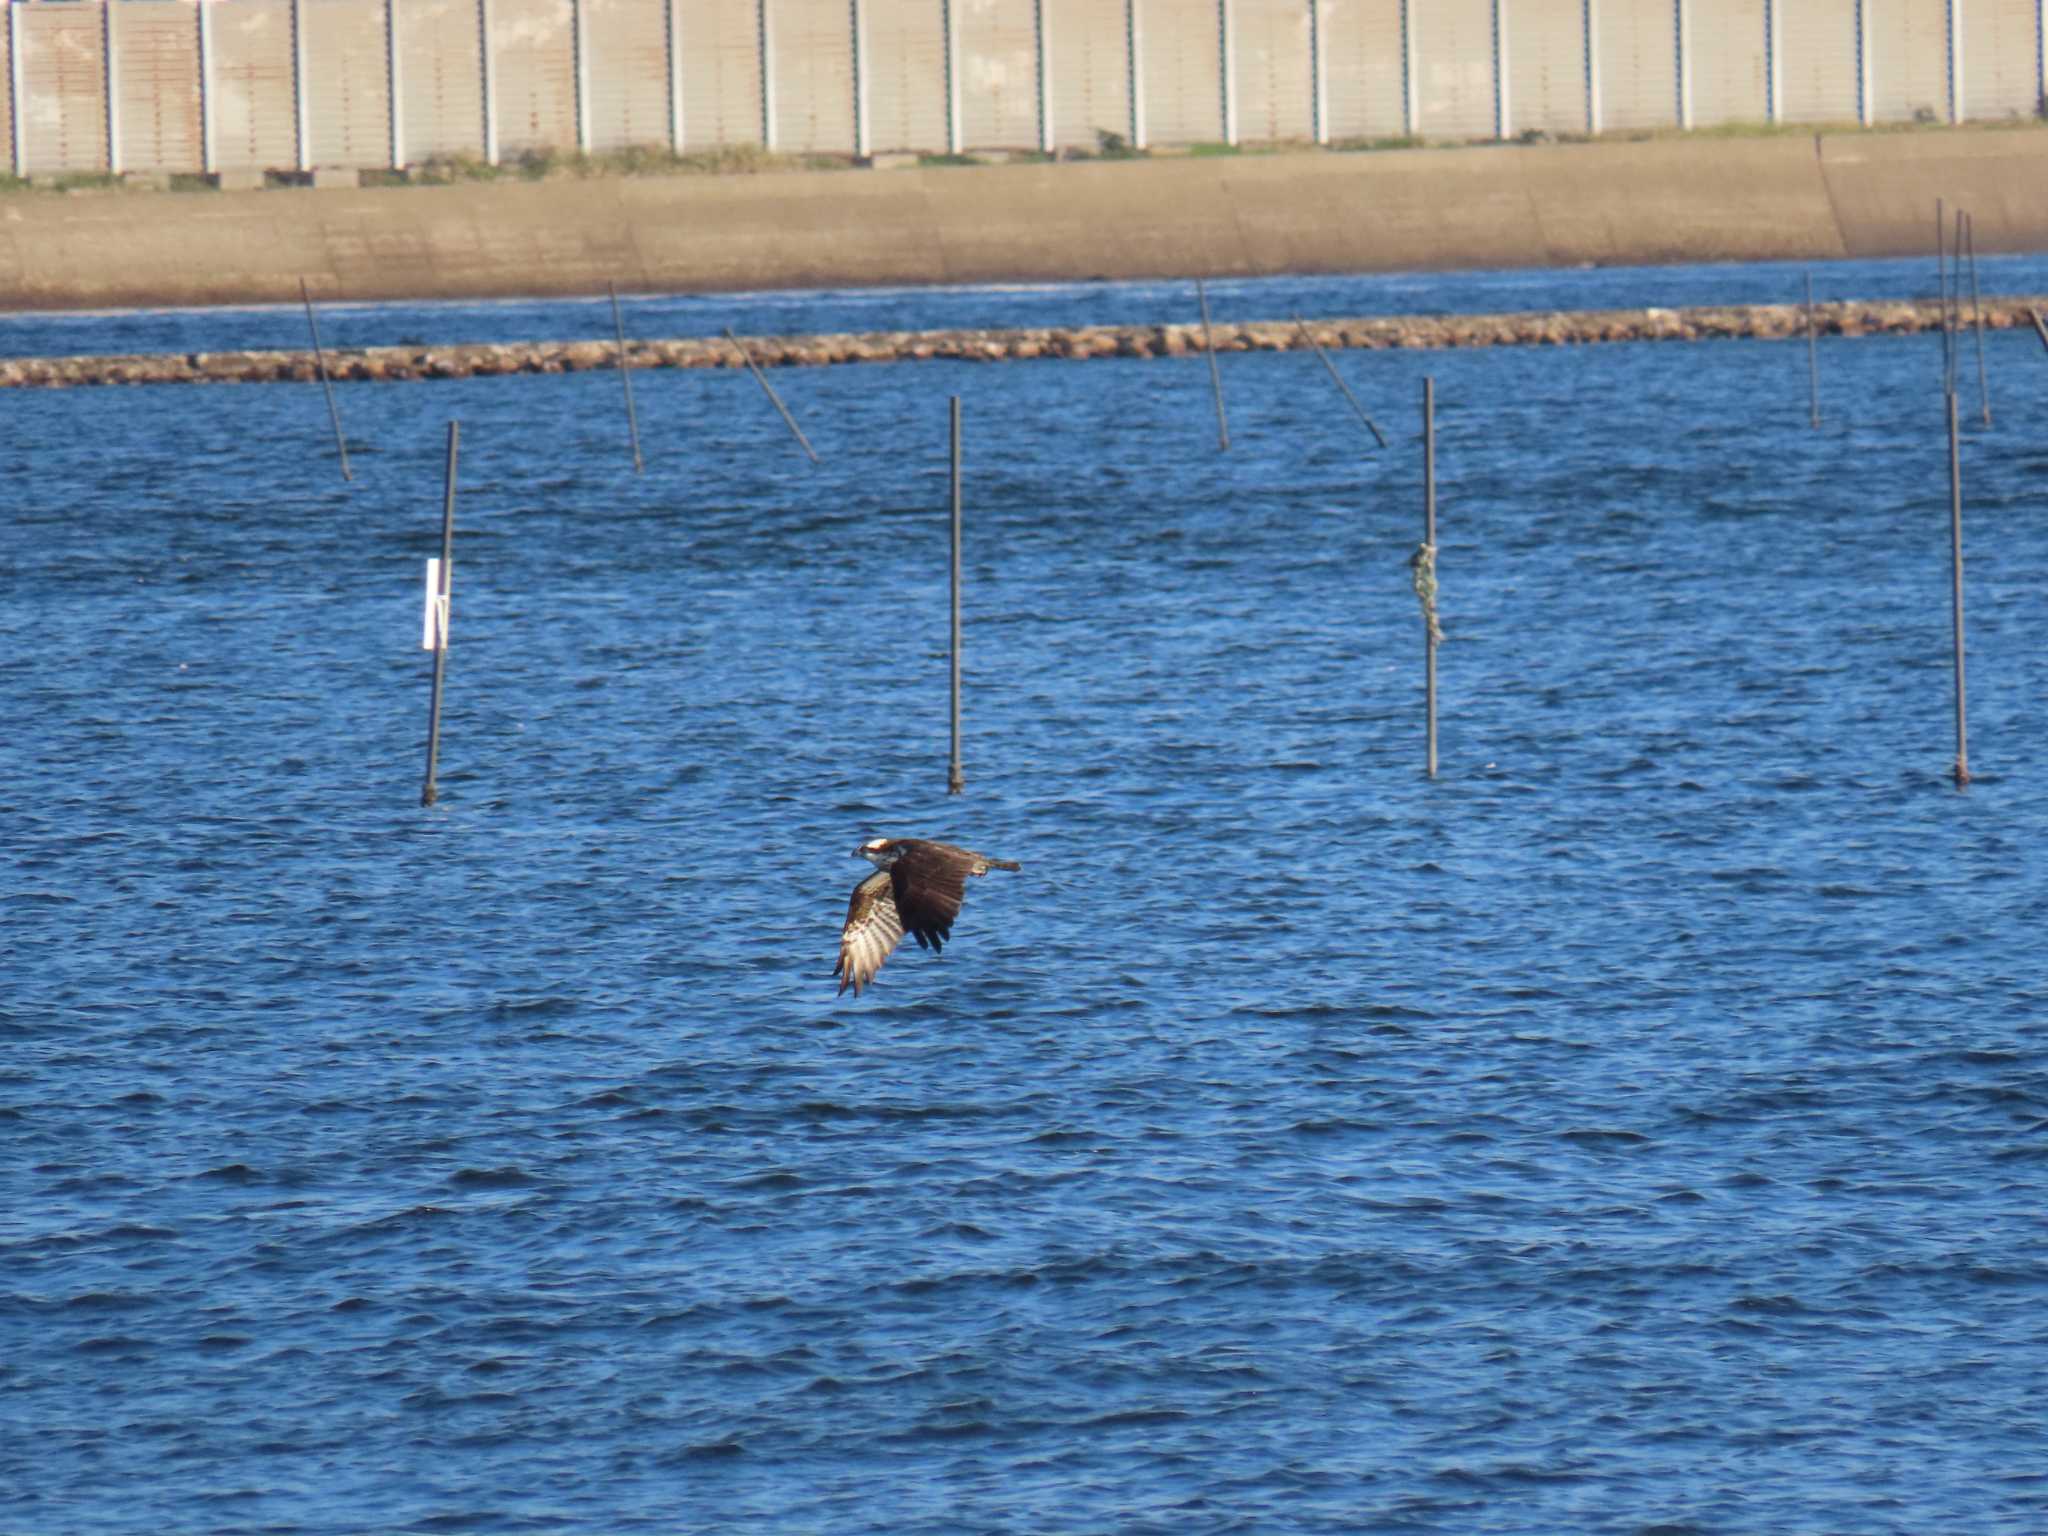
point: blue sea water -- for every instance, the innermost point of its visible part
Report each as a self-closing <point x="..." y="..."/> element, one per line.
<point x="1640" y="1128"/>
<point x="345" y="325"/>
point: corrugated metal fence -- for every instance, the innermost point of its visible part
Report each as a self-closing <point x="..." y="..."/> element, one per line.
<point x="167" y="86"/>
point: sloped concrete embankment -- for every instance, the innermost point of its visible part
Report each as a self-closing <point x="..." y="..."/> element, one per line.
<point x="1790" y="197"/>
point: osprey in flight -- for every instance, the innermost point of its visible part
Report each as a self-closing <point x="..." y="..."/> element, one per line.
<point x="917" y="888"/>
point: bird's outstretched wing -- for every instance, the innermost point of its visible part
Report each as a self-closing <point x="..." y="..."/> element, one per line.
<point x="873" y="930"/>
<point x="930" y="882"/>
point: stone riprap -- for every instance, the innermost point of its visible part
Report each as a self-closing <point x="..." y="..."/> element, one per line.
<point x="1556" y="328"/>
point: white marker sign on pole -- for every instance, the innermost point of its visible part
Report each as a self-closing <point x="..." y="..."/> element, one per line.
<point x="434" y="621"/>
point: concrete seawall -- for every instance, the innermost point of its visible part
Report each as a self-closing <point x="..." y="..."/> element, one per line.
<point x="1081" y="342"/>
<point x="1795" y="197"/>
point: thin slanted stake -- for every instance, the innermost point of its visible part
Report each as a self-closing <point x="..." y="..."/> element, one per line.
<point x="1215" y="373"/>
<point x="1812" y="359"/>
<point x="626" y="378"/>
<point x="1423" y="562"/>
<point x="326" y="384"/>
<point x="1955" y="305"/>
<point x="1977" y="309"/>
<point x="435" y="635"/>
<point x="956" y="779"/>
<point x="769" y="389"/>
<point x="1337" y="379"/>
<point x="1948" y="357"/>
<point x="1955" y="545"/>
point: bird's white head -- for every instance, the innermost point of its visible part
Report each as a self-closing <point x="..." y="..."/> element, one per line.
<point x="878" y="851"/>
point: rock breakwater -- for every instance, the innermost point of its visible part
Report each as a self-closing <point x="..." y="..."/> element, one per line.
<point x="1555" y="328"/>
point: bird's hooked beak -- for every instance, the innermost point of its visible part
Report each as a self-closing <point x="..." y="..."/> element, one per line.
<point x="861" y="852"/>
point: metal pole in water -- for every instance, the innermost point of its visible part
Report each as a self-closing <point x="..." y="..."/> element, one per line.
<point x="1955" y="551"/>
<point x="626" y="378"/>
<point x="1977" y="308"/>
<point x="1426" y="566"/>
<point x="320" y="360"/>
<point x="1955" y="324"/>
<point x="1215" y="374"/>
<point x="1338" y="379"/>
<point x="438" y="613"/>
<point x="1812" y="358"/>
<point x="956" y="781"/>
<point x="774" y="399"/>
<point x="1948" y="361"/>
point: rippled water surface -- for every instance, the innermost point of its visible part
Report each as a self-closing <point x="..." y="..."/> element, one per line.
<point x="663" y="316"/>
<point x="1641" y="1127"/>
